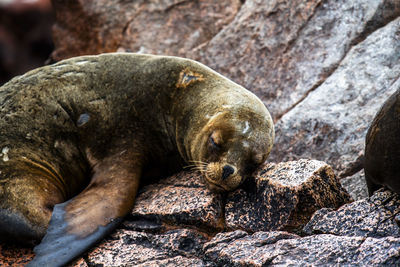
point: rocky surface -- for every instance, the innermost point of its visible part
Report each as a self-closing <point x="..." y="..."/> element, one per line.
<point x="284" y="196"/>
<point x="176" y="247"/>
<point x="323" y="68"/>
<point x="163" y="202"/>
<point x="174" y="218"/>
<point x="284" y="249"/>
<point x="153" y="233"/>
<point x="370" y="217"/>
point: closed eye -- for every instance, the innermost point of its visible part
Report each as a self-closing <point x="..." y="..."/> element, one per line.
<point x="214" y="144"/>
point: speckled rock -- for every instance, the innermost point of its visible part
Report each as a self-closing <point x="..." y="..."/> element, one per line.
<point x="240" y="249"/>
<point x="181" y="199"/>
<point x="356" y="185"/>
<point x="142" y="249"/>
<point x="371" y="217"/>
<point x="331" y="123"/>
<point x="284" y="249"/>
<point x="170" y="27"/>
<point x="284" y="196"/>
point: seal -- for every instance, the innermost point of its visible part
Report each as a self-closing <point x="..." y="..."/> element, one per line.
<point x="382" y="147"/>
<point x="77" y="136"/>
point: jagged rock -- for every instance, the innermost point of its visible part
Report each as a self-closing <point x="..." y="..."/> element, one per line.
<point x="170" y="27"/>
<point x="181" y="199"/>
<point x="371" y="217"/>
<point x="141" y="249"/>
<point x="331" y="123"/>
<point x="284" y="249"/>
<point x="284" y="196"/>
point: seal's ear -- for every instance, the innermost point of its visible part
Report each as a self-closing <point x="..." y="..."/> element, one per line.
<point x="79" y="223"/>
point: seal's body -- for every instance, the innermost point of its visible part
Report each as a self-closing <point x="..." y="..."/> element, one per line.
<point x="382" y="147"/>
<point x="76" y="137"/>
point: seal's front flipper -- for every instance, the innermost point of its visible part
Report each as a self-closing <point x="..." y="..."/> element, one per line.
<point x="58" y="247"/>
<point x="84" y="220"/>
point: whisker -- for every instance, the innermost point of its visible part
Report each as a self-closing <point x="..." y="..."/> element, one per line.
<point x="190" y="166"/>
<point x="197" y="161"/>
<point x="198" y="166"/>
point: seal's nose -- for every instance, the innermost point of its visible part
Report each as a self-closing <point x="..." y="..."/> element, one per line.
<point x="227" y="171"/>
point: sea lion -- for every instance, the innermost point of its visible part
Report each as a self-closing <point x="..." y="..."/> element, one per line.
<point x="382" y="147"/>
<point x="77" y="136"/>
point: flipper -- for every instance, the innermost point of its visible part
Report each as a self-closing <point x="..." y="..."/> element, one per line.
<point x="79" y="223"/>
<point x="58" y="247"/>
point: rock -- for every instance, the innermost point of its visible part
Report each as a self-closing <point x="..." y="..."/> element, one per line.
<point x="355" y="185"/>
<point x="331" y="123"/>
<point x="284" y="249"/>
<point x="170" y="27"/>
<point x="19" y="256"/>
<point x="174" y="261"/>
<point x="284" y="196"/>
<point x="283" y="50"/>
<point x="370" y="217"/>
<point x="11" y="255"/>
<point x="181" y="199"/>
<point x="142" y="249"/>
<point x="240" y="249"/>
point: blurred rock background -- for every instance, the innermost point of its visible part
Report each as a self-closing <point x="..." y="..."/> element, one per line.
<point x="25" y="36"/>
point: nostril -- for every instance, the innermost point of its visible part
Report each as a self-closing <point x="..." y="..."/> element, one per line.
<point x="227" y="171"/>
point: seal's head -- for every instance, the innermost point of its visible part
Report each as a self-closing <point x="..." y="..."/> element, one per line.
<point x="232" y="144"/>
<point x="221" y="128"/>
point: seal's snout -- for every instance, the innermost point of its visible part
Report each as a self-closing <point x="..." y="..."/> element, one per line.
<point x="227" y="170"/>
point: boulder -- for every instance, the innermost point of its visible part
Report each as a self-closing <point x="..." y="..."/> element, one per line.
<point x="284" y="196"/>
